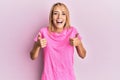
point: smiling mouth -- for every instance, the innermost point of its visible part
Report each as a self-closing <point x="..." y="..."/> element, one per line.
<point x="59" y="22"/>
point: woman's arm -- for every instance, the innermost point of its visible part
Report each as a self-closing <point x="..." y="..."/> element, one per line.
<point x="81" y="50"/>
<point x="79" y="46"/>
<point x="40" y="43"/>
<point x="35" y="51"/>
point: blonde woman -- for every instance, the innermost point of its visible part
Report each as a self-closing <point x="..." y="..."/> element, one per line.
<point x="58" y="41"/>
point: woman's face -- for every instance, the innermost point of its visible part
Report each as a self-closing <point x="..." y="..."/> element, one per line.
<point x="59" y="17"/>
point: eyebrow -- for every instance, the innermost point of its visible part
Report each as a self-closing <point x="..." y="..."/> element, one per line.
<point x="58" y="11"/>
<point x="55" y="11"/>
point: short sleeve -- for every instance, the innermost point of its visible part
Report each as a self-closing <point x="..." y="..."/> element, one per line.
<point x="75" y="32"/>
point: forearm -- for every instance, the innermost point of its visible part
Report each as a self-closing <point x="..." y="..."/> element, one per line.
<point x="81" y="51"/>
<point x="35" y="51"/>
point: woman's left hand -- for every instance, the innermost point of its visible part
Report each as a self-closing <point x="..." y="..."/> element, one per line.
<point x="75" y="41"/>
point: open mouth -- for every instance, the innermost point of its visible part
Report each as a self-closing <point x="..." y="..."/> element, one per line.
<point x="59" y="22"/>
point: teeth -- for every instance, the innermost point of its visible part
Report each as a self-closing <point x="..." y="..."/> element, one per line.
<point x="59" y="22"/>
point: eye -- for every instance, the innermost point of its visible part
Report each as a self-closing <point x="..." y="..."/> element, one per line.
<point x="55" y="13"/>
<point x="63" y="13"/>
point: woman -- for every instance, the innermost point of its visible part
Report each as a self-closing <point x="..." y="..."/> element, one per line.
<point x="58" y="41"/>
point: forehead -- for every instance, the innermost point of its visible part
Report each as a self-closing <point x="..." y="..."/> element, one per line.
<point x="62" y="8"/>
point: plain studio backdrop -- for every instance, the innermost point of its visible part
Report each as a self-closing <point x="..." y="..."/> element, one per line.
<point x="98" y="22"/>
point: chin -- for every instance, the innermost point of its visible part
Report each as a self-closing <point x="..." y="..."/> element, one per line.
<point x="60" y="27"/>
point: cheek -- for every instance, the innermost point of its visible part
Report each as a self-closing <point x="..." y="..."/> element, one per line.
<point x="54" y="20"/>
<point x="64" y="18"/>
<point x="54" y="17"/>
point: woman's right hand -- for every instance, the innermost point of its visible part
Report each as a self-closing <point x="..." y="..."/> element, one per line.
<point x="42" y="42"/>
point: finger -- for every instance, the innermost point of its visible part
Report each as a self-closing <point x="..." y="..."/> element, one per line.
<point x="39" y="37"/>
<point x="43" y="45"/>
<point x="43" y="42"/>
<point x="44" y="39"/>
<point x="76" y="36"/>
<point x="72" y="43"/>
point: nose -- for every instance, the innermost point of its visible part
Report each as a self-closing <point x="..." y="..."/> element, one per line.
<point x="59" y="16"/>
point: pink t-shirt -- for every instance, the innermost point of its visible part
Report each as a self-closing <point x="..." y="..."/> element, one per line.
<point x="58" y="54"/>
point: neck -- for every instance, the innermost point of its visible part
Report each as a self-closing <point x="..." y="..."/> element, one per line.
<point x="58" y="30"/>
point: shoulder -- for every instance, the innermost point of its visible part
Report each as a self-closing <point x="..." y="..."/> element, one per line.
<point x="73" y="28"/>
<point x="75" y="31"/>
<point x="43" y="29"/>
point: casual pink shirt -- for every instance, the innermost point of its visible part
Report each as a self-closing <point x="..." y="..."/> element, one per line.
<point x="58" y="54"/>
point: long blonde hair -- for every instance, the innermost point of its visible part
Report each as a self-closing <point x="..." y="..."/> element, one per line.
<point x="67" y="24"/>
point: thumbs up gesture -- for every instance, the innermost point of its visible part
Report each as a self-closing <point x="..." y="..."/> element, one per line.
<point x="42" y="42"/>
<point x="75" y="41"/>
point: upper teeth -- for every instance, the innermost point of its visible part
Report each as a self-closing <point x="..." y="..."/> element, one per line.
<point x="59" y="22"/>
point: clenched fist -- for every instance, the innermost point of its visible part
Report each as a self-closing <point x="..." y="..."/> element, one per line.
<point x="42" y="42"/>
<point x="75" y="41"/>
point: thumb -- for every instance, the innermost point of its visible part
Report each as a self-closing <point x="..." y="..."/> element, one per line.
<point x="39" y="37"/>
<point x="76" y="36"/>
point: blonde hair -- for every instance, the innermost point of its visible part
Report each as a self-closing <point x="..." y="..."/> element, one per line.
<point x="67" y="24"/>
